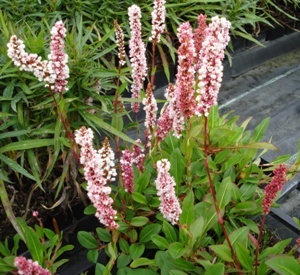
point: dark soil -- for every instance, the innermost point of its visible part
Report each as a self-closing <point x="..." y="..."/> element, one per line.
<point x="57" y="218"/>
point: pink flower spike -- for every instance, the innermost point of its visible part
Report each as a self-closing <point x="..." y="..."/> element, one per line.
<point x="137" y="54"/>
<point x="210" y="73"/>
<point x="127" y="171"/>
<point x="274" y="187"/>
<point x="99" y="171"/>
<point x="58" y="68"/>
<point x="158" y="20"/>
<point x="150" y="109"/>
<point x="164" y="124"/>
<point x="175" y="111"/>
<point x="138" y="156"/>
<point x="199" y="35"/>
<point x="186" y="72"/>
<point x="169" y="203"/>
<point x="28" y="267"/>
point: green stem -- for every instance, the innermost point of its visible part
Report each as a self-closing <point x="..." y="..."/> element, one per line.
<point x="8" y="210"/>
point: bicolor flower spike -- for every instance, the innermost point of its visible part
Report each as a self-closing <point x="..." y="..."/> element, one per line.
<point x="54" y="71"/>
<point x="169" y="203"/>
<point x="99" y="171"/>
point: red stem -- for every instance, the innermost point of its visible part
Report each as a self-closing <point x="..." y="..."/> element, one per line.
<point x="213" y="192"/>
<point x="259" y="238"/>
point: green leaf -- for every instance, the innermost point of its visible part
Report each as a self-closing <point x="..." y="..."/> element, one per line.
<point x="170" y="232"/>
<point x="244" y="207"/>
<point x="239" y="235"/>
<point x="244" y="257"/>
<point x="187" y="215"/>
<point x="99" y="269"/>
<point x="142" y="182"/>
<point x="103" y="234"/>
<point x="87" y="240"/>
<point x="138" y="197"/>
<point x="141" y="262"/>
<point x="184" y="264"/>
<point x="139" y="221"/>
<point x="160" y="241"/>
<point x="136" y="251"/>
<point x="222" y="251"/>
<point x="26" y="144"/>
<point x="177" y="272"/>
<point x="94" y="120"/>
<point x="5" y="267"/>
<point x="274" y="250"/>
<point x="148" y="231"/>
<point x="196" y="229"/>
<point x="89" y="210"/>
<point x="123" y="260"/>
<point x="92" y="256"/>
<point x="284" y="265"/>
<point x="250" y="223"/>
<point x="176" y="250"/>
<point x="216" y="269"/>
<point x="16" y="167"/>
<point x="260" y="129"/>
<point x="124" y="246"/>
<point x="34" y="245"/>
<point x="224" y="192"/>
<point x="259" y="145"/>
<point x="177" y="167"/>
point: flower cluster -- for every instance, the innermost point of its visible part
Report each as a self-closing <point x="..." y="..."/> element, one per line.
<point x="273" y="187"/>
<point x="54" y="71"/>
<point x="99" y="171"/>
<point x="199" y="35"/>
<point x="58" y="69"/>
<point x="186" y="72"/>
<point x="137" y="54"/>
<point x="158" y="20"/>
<point x="27" y="62"/>
<point x="28" y="267"/>
<point x="120" y="43"/>
<point x="128" y="160"/>
<point x="169" y="204"/>
<point x="150" y="108"/>
<point x="210" y="73"/>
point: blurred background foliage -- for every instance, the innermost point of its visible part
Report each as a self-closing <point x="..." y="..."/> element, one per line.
<point x="34" y="151"/>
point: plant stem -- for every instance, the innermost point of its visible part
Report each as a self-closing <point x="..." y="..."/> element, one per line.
<point x="189" y="153"/>
<point x="259" y="238"/>
<point x="213" y="192"/>
<point x="66" y="124"/>
<point x="8" y="210"/>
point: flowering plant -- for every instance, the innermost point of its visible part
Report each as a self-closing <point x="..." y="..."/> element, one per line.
<point x="183" y="198"/>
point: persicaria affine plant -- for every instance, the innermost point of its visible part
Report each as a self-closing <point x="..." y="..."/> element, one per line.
<point x="186" y="195"/>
